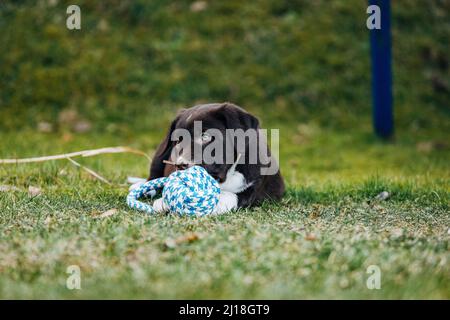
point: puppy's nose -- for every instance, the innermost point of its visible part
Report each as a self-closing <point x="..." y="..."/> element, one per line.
<point x="218" y="176"/>
<point x="182" y="163"/>
<point x="181" y="166"/>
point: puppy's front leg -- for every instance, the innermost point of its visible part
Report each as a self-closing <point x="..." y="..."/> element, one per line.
<point x="227" y="201"/>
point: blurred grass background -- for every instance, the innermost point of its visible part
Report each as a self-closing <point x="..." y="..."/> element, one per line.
<point x="284" y="60"/>
<point x="300" y="66"/>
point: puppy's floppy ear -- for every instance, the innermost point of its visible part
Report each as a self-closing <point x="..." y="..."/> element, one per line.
<point x="236" y="117"/>
<point x="163" y="151"/>
<point x="249" y="121"/>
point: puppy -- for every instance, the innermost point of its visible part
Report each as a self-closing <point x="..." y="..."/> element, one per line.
<point x="242" y="177"/>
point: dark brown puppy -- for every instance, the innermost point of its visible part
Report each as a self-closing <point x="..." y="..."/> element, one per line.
<point x="221" y="116"/>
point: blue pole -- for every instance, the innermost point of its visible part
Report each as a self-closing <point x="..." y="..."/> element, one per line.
<point x="380" y="42"/>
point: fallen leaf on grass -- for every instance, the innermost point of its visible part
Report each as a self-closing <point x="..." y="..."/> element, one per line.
<point x="71" y="120"/>
<point x="34" y="191"/>
<point x="82" y="126"/>
<point x="383" y="196"/>
<point x="396" y="233"/>
<point x="198" y="6"/>
<point x="428" y="146"/>
<point x="45" y="127"/>
<point x="172" y="243"/>
<point x="7" y="188"/>
<point x="107" y="213"/>
<point x="311" y="237"/>
<point x="67" y="137"/>
<point x="68" y="117"/>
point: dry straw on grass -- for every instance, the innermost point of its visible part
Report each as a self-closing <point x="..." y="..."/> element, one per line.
<point x="85" y="153"/>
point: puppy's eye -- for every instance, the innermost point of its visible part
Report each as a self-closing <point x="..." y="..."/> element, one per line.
<point x="206" y="137"/>
<point x="177" y="140"/>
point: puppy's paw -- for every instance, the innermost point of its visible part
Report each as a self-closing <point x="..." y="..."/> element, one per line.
<point x="235" y="183"/>
<point x="159" y="205"/>
<point x="227" y="201"/>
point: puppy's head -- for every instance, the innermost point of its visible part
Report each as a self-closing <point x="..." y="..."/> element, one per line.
<point x="199" y="136"/>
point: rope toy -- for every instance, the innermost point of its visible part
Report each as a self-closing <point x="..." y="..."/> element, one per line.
<point x="186" y="192"/>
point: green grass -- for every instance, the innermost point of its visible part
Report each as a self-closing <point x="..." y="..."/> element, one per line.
<point x="316" y="243"/>
<point x="301" y="67"/>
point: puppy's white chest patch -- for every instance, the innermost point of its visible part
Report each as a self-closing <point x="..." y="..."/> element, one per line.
<point x="235" y="182"/>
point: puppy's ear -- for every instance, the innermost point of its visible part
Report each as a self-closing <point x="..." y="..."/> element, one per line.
<point x="163" y="151"/>
<point x="236" y="117"/>
<point x="248" y="121"/>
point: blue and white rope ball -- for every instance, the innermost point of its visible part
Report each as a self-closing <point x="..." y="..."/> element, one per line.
<point x="188" y="192"/>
